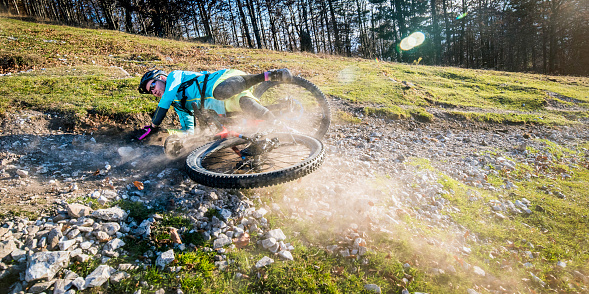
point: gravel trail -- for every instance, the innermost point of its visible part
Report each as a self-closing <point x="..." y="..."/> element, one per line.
<point x="375" y="173"/>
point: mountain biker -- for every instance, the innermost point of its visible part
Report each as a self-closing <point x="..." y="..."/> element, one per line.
<point x="223" y="91"/>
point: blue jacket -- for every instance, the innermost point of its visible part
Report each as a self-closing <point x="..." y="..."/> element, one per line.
<point x="173" y="97"/>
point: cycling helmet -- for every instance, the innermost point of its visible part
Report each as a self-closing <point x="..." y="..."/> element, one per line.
<point x="150" y="75"/>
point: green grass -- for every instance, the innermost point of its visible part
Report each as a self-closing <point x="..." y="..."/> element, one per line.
<point x="343" y="116"/>
<point x="74" y="74"/>
<point x="79" y="95"/>
<point x="558" y="233"/>
<point x="513" y="118"/>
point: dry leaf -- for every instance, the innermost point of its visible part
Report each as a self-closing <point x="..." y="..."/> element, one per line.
<point x="174" y="236"/>
<point x="242" y="241"/>
<point x="139" y="185"/>
<point x="97" y="172"/>
<point x="459" y="260"/>
<point x="338" y="270"/>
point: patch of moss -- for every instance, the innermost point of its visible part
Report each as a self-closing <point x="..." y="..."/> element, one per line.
<point x="393" y="112"/>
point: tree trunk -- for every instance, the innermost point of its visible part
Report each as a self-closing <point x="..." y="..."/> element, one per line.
<point x="448" y="33"/>
<point x="233" y="24"/>
<point x="244" y="24"/>
<point x="437" y="43"/>
<point x="253" y="18"/>
<point x="334" y="26"/>
<point x="204" y="16"/>
<point x="273" y="29"/>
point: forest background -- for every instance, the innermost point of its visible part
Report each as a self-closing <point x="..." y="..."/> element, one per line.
<point x="540" y="36"/>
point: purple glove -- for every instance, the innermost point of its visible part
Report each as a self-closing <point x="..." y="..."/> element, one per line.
<point x="146" y="131"/>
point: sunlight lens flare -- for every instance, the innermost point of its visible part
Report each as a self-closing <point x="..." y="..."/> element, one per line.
<point x="419" y="38"/>
<point x="405" y="44"/>
<point x="347" y="75"/>
<point x="412" y="41"/>
<point x="462" y="15"/>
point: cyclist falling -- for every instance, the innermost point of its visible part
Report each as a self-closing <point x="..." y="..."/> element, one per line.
<point x="223" y="91"/>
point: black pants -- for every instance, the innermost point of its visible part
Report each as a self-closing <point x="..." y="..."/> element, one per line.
<point x="237" y="84"/>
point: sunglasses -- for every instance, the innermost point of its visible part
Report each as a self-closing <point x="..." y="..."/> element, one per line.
<point x="152" y="86"/>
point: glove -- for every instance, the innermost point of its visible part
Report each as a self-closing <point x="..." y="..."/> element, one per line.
<point x="146" y="131"/>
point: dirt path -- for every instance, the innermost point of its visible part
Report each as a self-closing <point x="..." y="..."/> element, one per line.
<point x="41" y="163"/>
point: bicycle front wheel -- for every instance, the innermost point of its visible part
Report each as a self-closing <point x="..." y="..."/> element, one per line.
<point x="298" y="103"/>
<point x="218" y="165"/>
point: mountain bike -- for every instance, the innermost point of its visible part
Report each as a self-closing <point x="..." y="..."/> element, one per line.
<point x="268" y="155"/>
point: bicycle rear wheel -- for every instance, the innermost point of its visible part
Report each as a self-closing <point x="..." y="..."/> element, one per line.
<point x="217" y="165"/>
<point x="299" y="103"/>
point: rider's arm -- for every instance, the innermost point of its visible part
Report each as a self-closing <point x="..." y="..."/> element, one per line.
<point x="158" y="116"/>
<point x="173" y="81"/>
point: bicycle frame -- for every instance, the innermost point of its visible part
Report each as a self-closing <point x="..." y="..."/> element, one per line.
<point x="251" y="155"/>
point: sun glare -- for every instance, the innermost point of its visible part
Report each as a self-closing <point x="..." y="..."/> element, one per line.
<point x="412" y="41"/>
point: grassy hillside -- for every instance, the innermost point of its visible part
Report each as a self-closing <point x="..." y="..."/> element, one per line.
<point x="85" y="71"/>
<point x="71" y="69"/>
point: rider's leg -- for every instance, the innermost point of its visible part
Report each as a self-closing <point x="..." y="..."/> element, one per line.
<point x="237" y="84"/>
<point x="250" y="106"/>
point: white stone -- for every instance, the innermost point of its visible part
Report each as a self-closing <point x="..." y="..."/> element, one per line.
<point x="99" y="276"/>
<point x="102" y="200"/>
<point x="102" y="236"/>
<point x="479" y="271"/>
<point x="95" y="194"/>
<point x="264" y="262"/>
<point x="275" y="248"/>
<point x="85" y="245"/>
<point x="561" y="264"/>
<point x="276" y="234"/>
<point x="267" y="243"/>
<point x="61" y="285"/>
<point x="126" y="267"/>
<point x="119" y="276"/>
<point x="226" y="213"/>
<point x="18" y="255"/>
<point x="115" y="244"/>
<point x="538" y="280"/>
<point x="82" y="257"/>
<point x="65" y="245"/>
<point x="110" y="228"/>
<point x="109" y="194"/>
<point x="284" y="254"/>
<point x="359" y="242"/>
<point x="110" y="214"/>
<point x="78" y="210"/>
<point x="165" y="258"/>
<point x="238" y="231"/>
<point x="372" y="288"/>
<point x="221" y="241"/>
<point x="259" y="213"/>
<point x="93" y="250"/>
<point x="22" y="173"/>
<point x="79" y="283"/>
<point x="73" y="233"/>
<point x="41" y="286"/>
<point x="6" y="248"/>
<point x="362" y="251"/>
<point x="46" y="265"/>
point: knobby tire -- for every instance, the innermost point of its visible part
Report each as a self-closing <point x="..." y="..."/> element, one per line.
<point x="314" y="91"/>
<point x="198" y="172"/>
